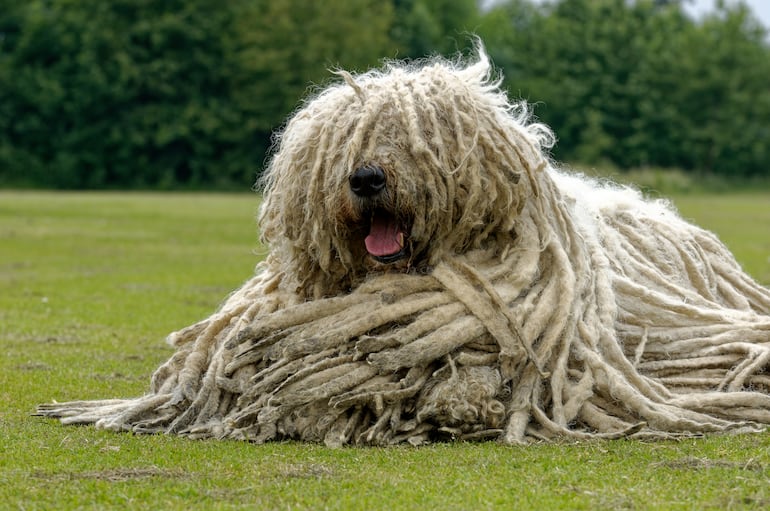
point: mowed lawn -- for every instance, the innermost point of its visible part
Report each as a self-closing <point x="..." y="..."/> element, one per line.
<point x="90" y="284"/>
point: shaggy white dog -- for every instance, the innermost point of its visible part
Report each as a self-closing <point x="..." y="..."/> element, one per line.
<point x="431" y="276"/>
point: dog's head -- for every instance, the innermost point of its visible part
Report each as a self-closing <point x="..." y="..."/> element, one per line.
<point x="394" y="170"/>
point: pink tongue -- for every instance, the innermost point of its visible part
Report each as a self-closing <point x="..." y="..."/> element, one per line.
<point x="384" y="238"/>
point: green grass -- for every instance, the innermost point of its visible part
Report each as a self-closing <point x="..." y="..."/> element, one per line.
<point x="90" y="283"/>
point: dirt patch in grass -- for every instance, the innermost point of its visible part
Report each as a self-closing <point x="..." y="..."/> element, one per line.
<point x="116" y="475"/>
<point x="33" y="366"/>
<point x="119" y="377"/>
<point x="695" y="463"/>
<point x="48" y="339"/>
<point x="305" y="471"/>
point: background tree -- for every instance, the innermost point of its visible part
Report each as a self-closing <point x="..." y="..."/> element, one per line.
<point x="286" y="48"/>
<point x="186" y="94"/>
<point x="428" y="27"/>
<point x="119" y="93"/>
<point x="639" y="83"/>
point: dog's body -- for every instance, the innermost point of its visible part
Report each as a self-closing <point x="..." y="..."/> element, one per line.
<point x="431" y="275"/>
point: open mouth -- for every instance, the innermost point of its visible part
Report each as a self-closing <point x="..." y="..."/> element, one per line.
<point x="386" y="241"/>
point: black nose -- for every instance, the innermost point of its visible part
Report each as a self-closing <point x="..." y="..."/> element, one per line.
<point x="367" y="181"/>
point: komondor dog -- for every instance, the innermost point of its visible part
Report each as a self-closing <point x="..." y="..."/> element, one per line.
<point x="431" y="276"/>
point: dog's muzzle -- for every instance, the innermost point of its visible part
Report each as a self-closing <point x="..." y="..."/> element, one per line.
<point x="386" y="239"/>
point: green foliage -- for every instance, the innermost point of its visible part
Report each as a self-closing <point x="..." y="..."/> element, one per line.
<point x="164" y="93"/>
<point x="638" y="83"/>
<point x="287" y="46"/>
<point x="120" y="93"/>
<point x="172" y="93"/>
<point x="432" y="27"/>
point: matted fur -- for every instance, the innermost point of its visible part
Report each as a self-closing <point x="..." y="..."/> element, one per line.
<point x="533" y="304"/>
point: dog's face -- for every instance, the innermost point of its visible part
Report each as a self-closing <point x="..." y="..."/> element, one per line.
<point x="393" y="172"/>
<point x="383" y="219"/>
<point x="386" y="231"/>
<point x="395" y="210"/>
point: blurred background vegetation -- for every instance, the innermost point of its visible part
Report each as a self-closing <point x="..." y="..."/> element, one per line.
<point x="185" y="94"/>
